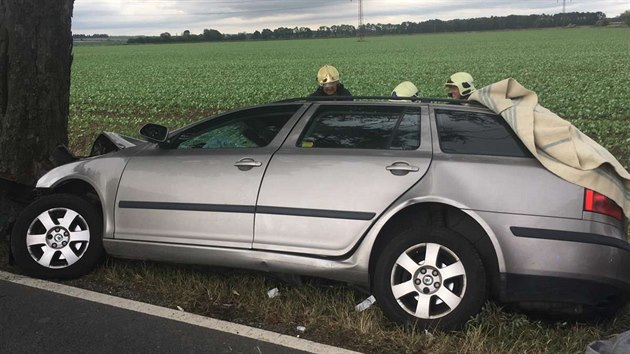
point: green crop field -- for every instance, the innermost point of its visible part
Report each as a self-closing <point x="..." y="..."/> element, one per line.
<point x="583" y="74"/>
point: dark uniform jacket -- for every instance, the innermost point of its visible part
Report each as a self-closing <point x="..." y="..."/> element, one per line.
<point x="342" y="92"/>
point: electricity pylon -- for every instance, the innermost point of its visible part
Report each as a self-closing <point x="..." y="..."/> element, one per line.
<point x="564" y="5"/>
<point x="360" y="28"/>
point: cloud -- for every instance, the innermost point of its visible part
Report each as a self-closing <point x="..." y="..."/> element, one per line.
<point x="151" y="17"/>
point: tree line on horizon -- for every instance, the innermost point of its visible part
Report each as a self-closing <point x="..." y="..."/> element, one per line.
<point x="430" y="26"/>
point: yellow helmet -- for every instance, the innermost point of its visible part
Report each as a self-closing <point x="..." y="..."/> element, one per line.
<point x="327" y="74"/>
<point x="463" y="81"/>
<point x="405" y="89"/>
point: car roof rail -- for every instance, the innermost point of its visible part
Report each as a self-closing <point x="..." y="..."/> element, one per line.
<point x="382" y="98"/>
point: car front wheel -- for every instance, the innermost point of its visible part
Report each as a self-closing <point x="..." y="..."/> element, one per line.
<point x="431" y="278"/>
<point x="58" y="236"/>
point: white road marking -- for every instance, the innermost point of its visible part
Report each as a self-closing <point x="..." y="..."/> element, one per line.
<point x="176" y="315"/>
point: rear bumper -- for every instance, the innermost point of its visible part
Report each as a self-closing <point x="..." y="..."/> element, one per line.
<point x="560" y="261"/>
<point x="568" y="271"/>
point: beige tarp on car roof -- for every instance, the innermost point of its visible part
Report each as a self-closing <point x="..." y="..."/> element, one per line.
<point x="556" y="143"/>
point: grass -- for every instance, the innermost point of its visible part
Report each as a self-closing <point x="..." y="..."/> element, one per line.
<point x="326" y="309"/>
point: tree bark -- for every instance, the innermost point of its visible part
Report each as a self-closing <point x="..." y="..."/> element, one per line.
<point x="35" y="59"/>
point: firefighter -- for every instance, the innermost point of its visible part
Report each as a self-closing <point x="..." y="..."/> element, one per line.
<point x="405" y="89"/>
<point x="329" y="83"/>
<point x="460" y="86"/>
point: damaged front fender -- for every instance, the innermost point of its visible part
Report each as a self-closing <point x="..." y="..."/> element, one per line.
<point x="107" y="142"/>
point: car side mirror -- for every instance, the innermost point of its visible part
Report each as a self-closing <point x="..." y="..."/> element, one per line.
<point x="154" y="133"/>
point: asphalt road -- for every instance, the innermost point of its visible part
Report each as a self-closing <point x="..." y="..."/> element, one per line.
<point x="34" y="320"/>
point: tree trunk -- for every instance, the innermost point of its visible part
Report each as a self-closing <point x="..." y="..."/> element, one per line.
<point x="35" y="59"/>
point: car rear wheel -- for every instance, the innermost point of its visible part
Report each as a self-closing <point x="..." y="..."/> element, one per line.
<point x="58" y="236"/>
<point x="431" y="278"/>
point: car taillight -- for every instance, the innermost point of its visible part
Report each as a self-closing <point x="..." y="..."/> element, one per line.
<point x="599" y="203"/>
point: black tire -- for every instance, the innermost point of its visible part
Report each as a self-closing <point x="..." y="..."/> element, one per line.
<point x="448" y="297"/>
<point x="49" y="241"/>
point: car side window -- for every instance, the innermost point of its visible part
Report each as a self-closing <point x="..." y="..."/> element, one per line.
<point x="475" y="133"/>
<point x="363" y="127"/>
<point x="243" y="129"/>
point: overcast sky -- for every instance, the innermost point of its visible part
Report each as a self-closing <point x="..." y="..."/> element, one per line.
<point x="152" y="17"/>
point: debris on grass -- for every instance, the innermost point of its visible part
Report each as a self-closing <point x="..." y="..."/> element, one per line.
<point x="365" y="303"/>
<point x="273" y="293"/>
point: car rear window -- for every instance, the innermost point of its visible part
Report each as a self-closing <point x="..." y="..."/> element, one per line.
<point x="476" y="133"/>
<point x="363" y="127"/>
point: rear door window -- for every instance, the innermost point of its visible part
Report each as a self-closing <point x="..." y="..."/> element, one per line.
<point x="476" y="133"/>
<point x="363" y="127"/>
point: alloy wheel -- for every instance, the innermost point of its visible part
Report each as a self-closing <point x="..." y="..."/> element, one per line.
<point x="428" y="280"/>
<point x="57" y="238"/>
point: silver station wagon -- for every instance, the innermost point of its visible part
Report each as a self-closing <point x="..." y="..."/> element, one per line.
<point x="432" y="207"/>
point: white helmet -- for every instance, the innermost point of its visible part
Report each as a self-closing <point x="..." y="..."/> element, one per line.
<point x="463" y="81"/>
<point x="405" y="89"/>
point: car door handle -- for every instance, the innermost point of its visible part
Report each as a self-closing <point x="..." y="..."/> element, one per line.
<point x="247" y="163"/>
<point x="401" y="168"/>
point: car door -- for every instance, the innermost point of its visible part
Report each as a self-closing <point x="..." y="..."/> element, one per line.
<point x="201" y="189"/>
<point x="340" y="168"/>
